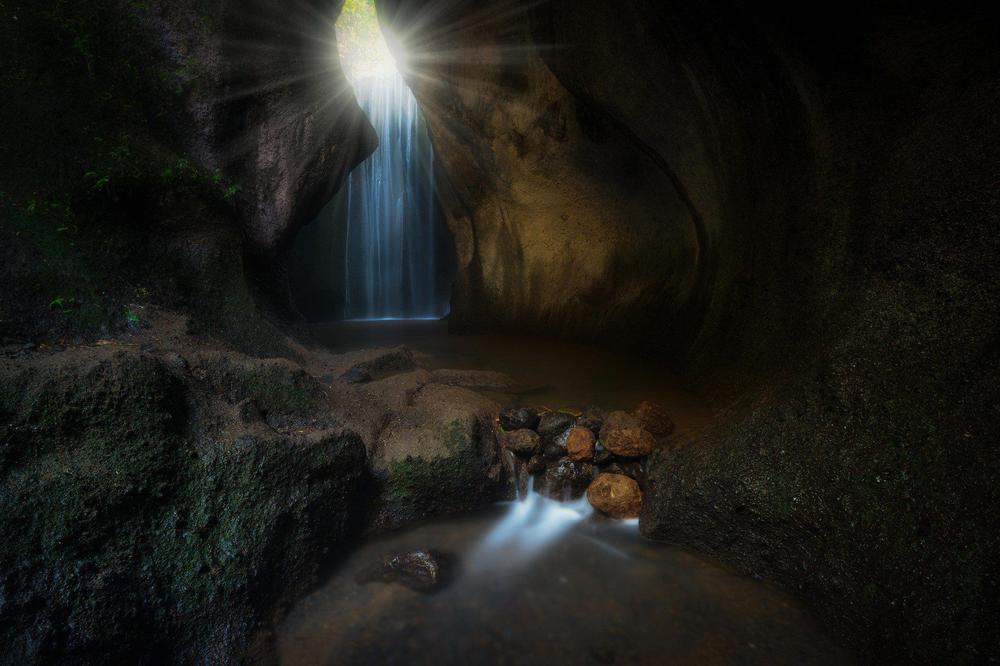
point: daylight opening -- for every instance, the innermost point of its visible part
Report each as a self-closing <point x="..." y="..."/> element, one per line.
<point x="380" y="249"/>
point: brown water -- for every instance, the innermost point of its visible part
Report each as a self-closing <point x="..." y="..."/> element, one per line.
<point x="553" y="373"/>
<point x="597" y="594"/>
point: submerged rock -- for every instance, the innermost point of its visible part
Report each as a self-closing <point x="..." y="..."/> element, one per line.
<point x="615" y="495"/>
<point x="522" y="442"/>
<point x="519" y="418"/>
<point x="580" y="444"/>
<point x="424" y="570"/>
<point x="567" y="479"/>
<point x="553" y="424"/>
<point x="653" y="418"/>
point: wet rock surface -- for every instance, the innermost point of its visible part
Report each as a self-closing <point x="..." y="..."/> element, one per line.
<point x="553" y="424"/>
<point x="615" y="495"/>
<point x="519" y="418"/>
<point x="566" y="479"/>
<point x="580" y="444"/>
<point x="424" y="570"/>
<point x="524" y="443"/>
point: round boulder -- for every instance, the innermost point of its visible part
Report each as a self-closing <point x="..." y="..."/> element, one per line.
<point x="522" y="442"/>
<point x="519" y="418"/>
<point x="623" y="436"/>
<point x="654" y="418"/>
<point x="580" y="444"/>
<point x="567" y="480"/>
<point x="553" y="424"/>
<point x="615" y="495"/>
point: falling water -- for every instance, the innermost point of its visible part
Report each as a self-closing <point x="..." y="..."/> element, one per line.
<point x="389" y="261"/>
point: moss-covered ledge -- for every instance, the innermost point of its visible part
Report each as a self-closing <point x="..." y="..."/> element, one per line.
<point x="144" y="514"/>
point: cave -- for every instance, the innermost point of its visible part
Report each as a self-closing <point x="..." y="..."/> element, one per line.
<point x="454" y="332"/>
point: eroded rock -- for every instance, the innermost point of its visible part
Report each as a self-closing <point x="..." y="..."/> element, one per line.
<point x="567" y="479"/>
<point x="615" y="495"/>
<point x="553" y="424"/>
<point x="519" y="418"/>
<point x="623" y="436"/>
<point x="522" y="442"/>
<point x="654" y="418"/>
<point x="580" y="444"/>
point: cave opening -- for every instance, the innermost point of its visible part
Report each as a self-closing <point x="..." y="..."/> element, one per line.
<point x="380" y="250"/>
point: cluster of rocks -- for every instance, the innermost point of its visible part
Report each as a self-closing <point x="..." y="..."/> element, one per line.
<point x="569" y="454"/>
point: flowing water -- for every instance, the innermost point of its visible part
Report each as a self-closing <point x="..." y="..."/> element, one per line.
<point x="541" y="582"/>
<point x="380" y="249"/>
<point x="390" y="253"/>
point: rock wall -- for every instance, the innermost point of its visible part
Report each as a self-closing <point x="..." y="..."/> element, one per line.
<point x="820" y="261"/>
<point x="201" y="135"/>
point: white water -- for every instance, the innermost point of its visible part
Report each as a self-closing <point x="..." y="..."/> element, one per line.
<point x="389" y="259"/>
<point x="531" y="524"/>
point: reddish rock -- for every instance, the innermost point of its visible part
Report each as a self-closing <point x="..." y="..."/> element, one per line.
<point x="521" y="442"/>
<point x="580" y="444"/>
<point x="627" y="442"/>
<point x="615" y="495"/>
<point x="654" y="418"/>
<point x="619" y="419"/>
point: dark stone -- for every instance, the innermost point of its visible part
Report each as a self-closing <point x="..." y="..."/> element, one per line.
<point x="592" y="423"/>
<point x="601" y="455"/>
<point x="631" y="468"/>
<point x="536" y="464"/>
<point x="519" y="418"/>
<point x="356" y="376"/>
<point x="553" y="424"/>
<point x="424" y="570"/>
<point x="522" y="442"/>
<point x="567" y="480"/>
<point x="553" y="451"/>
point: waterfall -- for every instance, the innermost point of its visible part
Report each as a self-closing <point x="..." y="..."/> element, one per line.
<point x="390" y="245"/>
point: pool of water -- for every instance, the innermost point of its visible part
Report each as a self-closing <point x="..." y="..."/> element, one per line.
<point x="549" y="373"/>
<point x="555" y="585"/>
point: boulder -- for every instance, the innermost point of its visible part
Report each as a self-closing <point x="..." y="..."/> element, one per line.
<point x="553" y="424"/>
<point x="653" y="418"/>
<point x="623" y="436"/>
<point x="536" y="464"/>
<point x="615" y="495"/>
<point x="580" y="444"/>
<point x="424" y="570"/>
<point x="522" y="442"/>
<point x="567" y="479"/>
<point x="519" y="418"/>
<point x="619" y="419"/>
<point x="553" y="451"/>
<point x="628" y="442"/>
<point x="592" y="423"/>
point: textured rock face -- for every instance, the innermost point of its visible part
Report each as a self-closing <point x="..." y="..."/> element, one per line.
<point x="561" y="223"/>
<point x="615" y="495"/>
<point x="829" y="217"/>
<point x="522" y="442"/>
<point x="147" y="510"/>
<point x="580" y="444"/>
